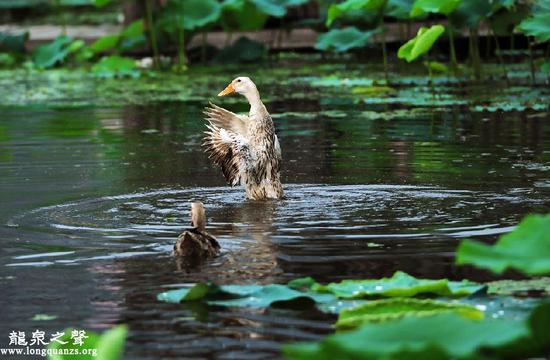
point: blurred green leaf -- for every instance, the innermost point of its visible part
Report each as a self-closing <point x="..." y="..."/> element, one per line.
<point x="421" y="43"/>
<point x="537" y="26"/>
<point x="336" y="10"/>
<point x="397" y="308"/>
<point x="422" y="7"/>
<point x="443" y="336"/>
<point x="104" y="43"/>
<point x="399" y="9"/>
<point x="115" y="66"/>
<point x="109" y="345"/>
<point x="526" y="249"/>
<point x="102" y="3"/>
<point x="242" y="15"/>
<point x="46" y="56"/>
<point x="340" y="40"/>
<point x="242" y="51"/>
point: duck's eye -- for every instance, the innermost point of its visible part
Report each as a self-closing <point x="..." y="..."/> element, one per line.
<point x="238" y="80"/>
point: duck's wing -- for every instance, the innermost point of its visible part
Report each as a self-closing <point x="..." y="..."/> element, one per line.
<point x="228" y="150"/>
<point x="226" y="119"/>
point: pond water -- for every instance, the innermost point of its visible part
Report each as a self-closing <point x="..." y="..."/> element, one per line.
<point x="94" y="196"/>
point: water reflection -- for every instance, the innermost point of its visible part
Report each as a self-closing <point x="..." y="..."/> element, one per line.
<point x="93" y="200"/>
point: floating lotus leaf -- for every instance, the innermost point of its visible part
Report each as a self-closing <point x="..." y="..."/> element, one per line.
<point x="526" y="249"/>
<point x="241" y="295"/>
<point x="397" y="308"/>
<point x="340" y="40"/>
<point x="421" y="43"/>
<point x="113" y="66"/>
<point x="399" y="285"/>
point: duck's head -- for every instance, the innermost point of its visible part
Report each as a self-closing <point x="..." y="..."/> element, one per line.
<point x="241" y="85"/>
<point x="198" y="216"/>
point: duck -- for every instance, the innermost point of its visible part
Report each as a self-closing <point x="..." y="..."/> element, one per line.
<point x="245" y="147"/>
<point x="196" y="244"/>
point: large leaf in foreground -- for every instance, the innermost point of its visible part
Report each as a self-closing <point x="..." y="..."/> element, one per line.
<point x="340" y="40"/>
<point x="421" y="7"/>
<point x="442" y="336"/>
<point x="109" y="345"/>
<point x="526" y="249"/>
<point x="397" y="308"/>
<point x="399" y="285"/>
<point x="337" y="10"/>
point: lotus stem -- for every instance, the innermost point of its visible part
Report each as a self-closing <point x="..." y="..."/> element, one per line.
<point x="499" y="56"/>
<point x="384" y="51"/>
<point x="531" y="61"/>
<point x="452" y="49"/>
<point x="152" y="33"/>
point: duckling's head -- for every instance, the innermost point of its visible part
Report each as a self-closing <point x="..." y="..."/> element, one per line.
<point x="198" y="216"/>
<point x="241" y="85"/>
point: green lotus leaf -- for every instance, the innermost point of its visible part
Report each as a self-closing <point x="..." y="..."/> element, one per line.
<point x="537" y="26"/>
<point x="115" y="66"/>
<point x="397" y="308"/>
<point x="336" y="10"/>
<point x="48" y="55"/>
<point x="526" y="249"/>
<point x="442" y="336"/>
<point x="340" y="40"/>
<point x="242" y="15"/>
<point x="241" y="295"/>
<point x="399" y="285"/>
<point x="422" y="7"/>
<point x="420" y="44"/>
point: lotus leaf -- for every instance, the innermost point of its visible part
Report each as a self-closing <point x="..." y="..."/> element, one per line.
<point x="526" y="249"/>
<point x="421" y="43"/>
<point x="399" y="285"/>
<point x="241" y="295"/>
<point x="340" y="40"/>
<point x="113" y="66"/>
<point x="422" y="7"/>
<point x="109" y="345"/>
<point x="46" y="56"/>
<point x="397" y="308"/>
<point x="336" y="10"/>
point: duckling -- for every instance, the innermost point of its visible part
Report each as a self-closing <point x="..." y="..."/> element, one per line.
<point x="195" y="245"/>
<point x="245" y="147"/>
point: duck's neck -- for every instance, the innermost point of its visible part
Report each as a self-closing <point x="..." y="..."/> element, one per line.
<point x="253" y="97"/>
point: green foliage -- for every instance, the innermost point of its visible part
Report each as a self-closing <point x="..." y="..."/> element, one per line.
<point x="421" y="43"/>
<point x="397" y="308"/>
<point x="399" y="9"/>
<point x="189" y="14"/>
<point x="538" y="25"/>
<point x="115" y="66"/>
<point x="109" y="345"/>
<point x="441" y="336"/>
<point x="470" y="13"/>
<point x="128" y="38"/>
<point x="422" y="7"/>
<point x="48" y="55"/>
<point x="340" y="40"/>
<point x="242" y="15"/>
<point x="337" y="10"/>
<point x="526" y="249"/>
<point x="399" y="285"/>
<point x="520" y="287"/>
<point x="241" y="295"/>
<point x="101" y="3"/>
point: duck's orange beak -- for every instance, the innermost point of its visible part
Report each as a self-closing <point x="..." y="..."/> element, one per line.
<point x="228" y="90"/>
